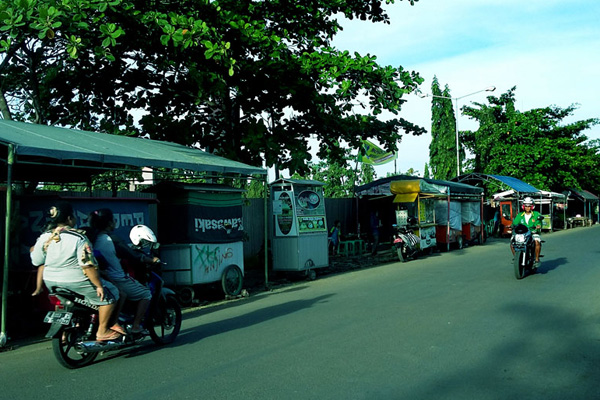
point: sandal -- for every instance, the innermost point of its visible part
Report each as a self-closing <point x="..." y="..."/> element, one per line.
<point x="111" y="336"/>
<point x="118" y="328"/>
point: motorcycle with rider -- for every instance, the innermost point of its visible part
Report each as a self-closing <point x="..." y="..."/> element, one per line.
<point x="526" y="243"/>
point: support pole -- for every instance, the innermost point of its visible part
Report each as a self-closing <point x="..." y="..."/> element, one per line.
<point x="7" y="222"/>
<point x="266" y="221"/>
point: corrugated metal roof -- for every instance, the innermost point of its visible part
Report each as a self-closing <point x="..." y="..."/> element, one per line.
<point x="515" y="183"/>
<point x="60" y="146"/>
<point x="583" y="194"/>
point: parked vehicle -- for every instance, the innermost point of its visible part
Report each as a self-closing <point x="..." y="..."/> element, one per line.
<point x="405" y="242"/>
<point x="524" y="245"/>
<point x="74" y="324"/>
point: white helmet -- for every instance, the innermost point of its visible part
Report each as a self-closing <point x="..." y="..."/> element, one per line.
<point x="528" y="201"/>
<point x="142" y="236"/>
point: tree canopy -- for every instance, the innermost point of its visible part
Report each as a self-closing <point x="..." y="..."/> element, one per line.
<point x="251" y="81"/>
<point x="536" y="146"/>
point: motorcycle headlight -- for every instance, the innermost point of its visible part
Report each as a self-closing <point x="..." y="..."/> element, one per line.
<point x="520" y="238"/>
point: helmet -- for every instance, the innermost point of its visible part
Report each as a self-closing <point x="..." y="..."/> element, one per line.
<point x="528" y="201"/>
<point x="142" y="236"/>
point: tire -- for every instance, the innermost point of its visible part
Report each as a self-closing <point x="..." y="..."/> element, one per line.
<point x="519" y="269"/>
<point x="400" y="255"/>
<point x="63" y="345"/>
<point x="165" y="320"/>
<point x="186" y="296"/>
<point x="232" y="280"/>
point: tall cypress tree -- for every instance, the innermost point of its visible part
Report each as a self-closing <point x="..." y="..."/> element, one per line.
<point x="442" y="149"/>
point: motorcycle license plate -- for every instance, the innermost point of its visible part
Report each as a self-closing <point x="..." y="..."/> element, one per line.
<point x="61" y="317"/>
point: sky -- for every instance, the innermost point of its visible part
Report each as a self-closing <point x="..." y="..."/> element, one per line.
<point x="548" y="49"/>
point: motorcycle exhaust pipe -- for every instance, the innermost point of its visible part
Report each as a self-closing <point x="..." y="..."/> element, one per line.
<point x="96" y="347"/>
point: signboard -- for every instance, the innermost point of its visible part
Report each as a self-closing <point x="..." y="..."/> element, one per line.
<point x="284" y="221"/>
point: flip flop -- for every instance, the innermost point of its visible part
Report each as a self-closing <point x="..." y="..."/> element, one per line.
<point x="111" y="336"/>
<point x="118" y="328"/>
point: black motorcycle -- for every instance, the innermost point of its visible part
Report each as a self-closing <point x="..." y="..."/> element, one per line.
<point x="75" y="322"/>
<point x="524" y="245"/>
<point x="406" y="243"/>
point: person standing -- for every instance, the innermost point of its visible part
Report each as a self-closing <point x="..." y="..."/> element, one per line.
<point x="375" y="225"/>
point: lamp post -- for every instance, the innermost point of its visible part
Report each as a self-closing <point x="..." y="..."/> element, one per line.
<point x="487" y="89"/>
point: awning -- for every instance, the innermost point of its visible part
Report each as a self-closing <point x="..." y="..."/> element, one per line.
<point x="407" y="191"/>
<point x="47" y="153"/>
<point x="503" y="181"/>
<point x="583" y="194"/>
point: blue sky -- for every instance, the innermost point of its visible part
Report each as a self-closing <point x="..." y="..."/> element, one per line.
<point x="549" y="50"/>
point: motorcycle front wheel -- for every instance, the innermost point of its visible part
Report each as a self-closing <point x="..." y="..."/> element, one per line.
<point x="165" y="321"/>
<point x="64" y="345"/>
<point x="518" y="265"/>
<point x="400" y="255"/>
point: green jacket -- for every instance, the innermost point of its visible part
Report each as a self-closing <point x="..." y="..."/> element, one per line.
<point x="534" y="225"/>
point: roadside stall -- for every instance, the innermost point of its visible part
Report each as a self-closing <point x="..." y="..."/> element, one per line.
<point x="298" y="226"/>
<point x="35" y="156"/>
<point x="419" y="198"/>
<point x="583" y="210"/>
<point x="201" y="235"/>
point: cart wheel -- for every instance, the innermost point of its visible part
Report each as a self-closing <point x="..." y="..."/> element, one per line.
<point x="186" y="296"/>
<point x="311" y="275"/>
<point x="460" y="242"/>
<point x="232" y="280"/>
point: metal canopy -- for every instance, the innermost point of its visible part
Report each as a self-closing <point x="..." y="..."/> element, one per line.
<point x="508" y="181"/>
<point x="75" y="154"/>
<point x="382" y="186"/>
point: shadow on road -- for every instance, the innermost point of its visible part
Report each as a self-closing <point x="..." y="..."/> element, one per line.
<point x="243" y="321"/>
<point x="550" y="265"/>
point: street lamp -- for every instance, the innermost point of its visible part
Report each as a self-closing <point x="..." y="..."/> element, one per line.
<point x="487" y="89"/>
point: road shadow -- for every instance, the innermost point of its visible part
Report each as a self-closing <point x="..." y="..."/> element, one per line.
<point x="259" y="316"/>
<point x="549" y="265"/>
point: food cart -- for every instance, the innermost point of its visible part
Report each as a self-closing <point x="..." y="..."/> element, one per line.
<point x="418" y="197"/>
<point x="201" y="233"/>
<point x="298" y="226"/>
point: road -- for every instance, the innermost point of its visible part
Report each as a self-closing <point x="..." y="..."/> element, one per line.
<point x="454" y="325"/>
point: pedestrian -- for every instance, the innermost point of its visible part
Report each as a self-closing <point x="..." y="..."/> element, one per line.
<point x="375" y="225"/>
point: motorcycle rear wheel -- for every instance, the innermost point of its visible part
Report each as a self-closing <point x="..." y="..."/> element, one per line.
<point x="165" y="321"/>
<point x="518" y="265"/>
<point x="65" y="351"/>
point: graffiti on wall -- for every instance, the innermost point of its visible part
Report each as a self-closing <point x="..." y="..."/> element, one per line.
<point x="210" y="258"/>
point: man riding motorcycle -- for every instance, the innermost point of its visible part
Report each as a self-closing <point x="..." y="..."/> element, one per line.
<point x="531" y="219"/>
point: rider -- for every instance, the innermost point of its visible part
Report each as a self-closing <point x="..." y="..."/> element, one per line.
<point x="531" y="219"/>
<point x="103" y="224"/>
<point x="67" y="261"/>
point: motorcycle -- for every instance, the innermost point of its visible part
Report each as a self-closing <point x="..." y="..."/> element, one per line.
<point x="524" y="245"/>
<point x="405" y="242"/>
<point x="75" y="321"/>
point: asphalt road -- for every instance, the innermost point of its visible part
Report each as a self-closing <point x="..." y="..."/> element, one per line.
<point x="452" y="325"/>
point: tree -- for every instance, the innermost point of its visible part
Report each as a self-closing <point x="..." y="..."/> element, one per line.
<point x="535" y="146"/>
<point x="252" y="81"/>
<point x="442" y="149"/>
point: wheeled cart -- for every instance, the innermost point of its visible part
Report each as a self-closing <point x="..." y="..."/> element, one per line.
<point x="193" y="264"/>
